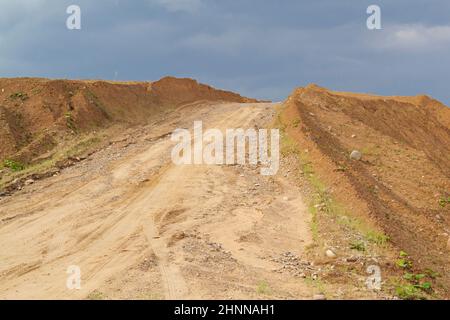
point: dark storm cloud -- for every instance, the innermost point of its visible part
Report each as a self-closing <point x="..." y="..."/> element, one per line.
<point x="260" y="48"/>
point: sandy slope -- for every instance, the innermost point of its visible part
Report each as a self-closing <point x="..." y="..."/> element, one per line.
<point x="140" y="227"/>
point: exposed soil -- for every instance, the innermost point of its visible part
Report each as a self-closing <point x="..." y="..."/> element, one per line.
<point x="99" y="190"/>
<point x="140" y="227"/>
<point x="403" y="176"/>
<point x="37" y="114"/>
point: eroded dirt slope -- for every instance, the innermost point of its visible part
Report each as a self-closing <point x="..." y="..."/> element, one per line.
<point x="140" y="227"/>
<point x="402" y="181"/>
<point x="36" y="114"/>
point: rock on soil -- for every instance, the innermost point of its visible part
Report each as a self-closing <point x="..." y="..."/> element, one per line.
<point x="330" y="254"/>
<point x="319" y="297"/>
<point x="29" y="181"/>
<point x="356" y="155"/>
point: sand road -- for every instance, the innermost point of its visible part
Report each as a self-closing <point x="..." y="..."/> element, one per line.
<point x="140" y="227"/>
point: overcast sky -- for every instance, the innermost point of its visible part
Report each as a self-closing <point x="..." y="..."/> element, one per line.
<point x="259" y="48"/>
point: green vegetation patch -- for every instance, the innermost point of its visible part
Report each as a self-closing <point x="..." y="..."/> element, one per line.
<point x="19" y="96"/>
<point x="13" y="165"/>
<point x="417" y="284"/>
<point x="443" y="202"/>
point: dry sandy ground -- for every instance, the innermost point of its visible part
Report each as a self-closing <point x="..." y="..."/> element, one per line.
<point x="140" y="227"/>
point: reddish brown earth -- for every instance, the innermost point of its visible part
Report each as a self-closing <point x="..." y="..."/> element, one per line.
<point x="404" y="173"/>
<point x="140" y="227"/>
<point x="36" y="113"/>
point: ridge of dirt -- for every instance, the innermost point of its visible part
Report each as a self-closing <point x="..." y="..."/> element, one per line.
<point x="44" y="123"/>
<point x="140" y="227"/>
<point x="403" y="177"/>
<point x="35" y="113"/>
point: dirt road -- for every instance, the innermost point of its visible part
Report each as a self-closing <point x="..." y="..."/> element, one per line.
<point x="140" y="227"/>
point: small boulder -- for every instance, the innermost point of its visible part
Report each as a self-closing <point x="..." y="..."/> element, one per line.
<point x="319" y="296"/>
<point x="29" y="181"/>
<point x="356" y="155"/>
<point x="330" y="253"/>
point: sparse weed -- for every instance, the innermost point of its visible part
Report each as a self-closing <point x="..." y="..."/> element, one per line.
<point x="19" y="96"/>
<point x="74" y="149"/>
<point x="341" y="168"/>
<point x="296" y="123"/>
<point x="263" y="288"/>
<point x="404" y="263"/>
<point x="431" y="274"/>
<point x="36" y="91"/>
<point x="408" y="292"/>
<point x="358" y="245"/>
<point x="15" y="166"/>
<point x="314" y="225"/>
<point x="413" y="277"/>
<point x="377" y="238"/>
<point x="96" y="295"/>
<point x="70" y="122"/>
<point x="417" y="282"/>
<point x="443" y="202"/>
